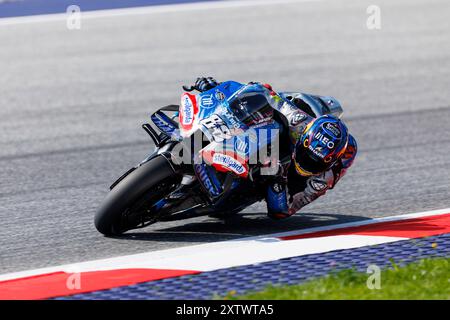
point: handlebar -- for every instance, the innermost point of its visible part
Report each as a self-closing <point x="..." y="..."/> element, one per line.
<point x="189" y="89"/>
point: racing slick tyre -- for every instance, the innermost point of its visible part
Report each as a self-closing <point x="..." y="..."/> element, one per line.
<point x="128" y="204"/>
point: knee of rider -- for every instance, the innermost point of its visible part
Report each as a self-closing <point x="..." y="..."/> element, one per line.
<point x="278" y="215"/>
<point x="276" y="199"/>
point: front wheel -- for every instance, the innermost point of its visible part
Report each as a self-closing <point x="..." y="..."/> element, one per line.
<point x="127" y="205"/>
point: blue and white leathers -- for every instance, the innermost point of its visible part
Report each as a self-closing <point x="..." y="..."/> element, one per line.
<point x="291" y="191"/>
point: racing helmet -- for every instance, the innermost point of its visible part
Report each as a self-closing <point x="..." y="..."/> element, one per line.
<point x="322" y="143"/>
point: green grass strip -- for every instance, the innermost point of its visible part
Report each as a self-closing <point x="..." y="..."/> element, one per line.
<point x="425" y="279"/>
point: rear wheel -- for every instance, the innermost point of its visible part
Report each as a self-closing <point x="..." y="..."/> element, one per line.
<point x="128" y="204"/>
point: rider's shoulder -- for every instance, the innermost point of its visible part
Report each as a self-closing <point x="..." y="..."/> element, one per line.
<point x="352" y="146"/>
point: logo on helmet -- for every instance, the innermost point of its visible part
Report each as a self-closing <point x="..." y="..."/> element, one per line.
<point x="333" y="128"/>
<point x="317" y="151"/>
<point x="324" y="140"/>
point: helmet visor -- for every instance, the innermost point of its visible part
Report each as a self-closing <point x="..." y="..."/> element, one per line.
<point x="309" y="164"/>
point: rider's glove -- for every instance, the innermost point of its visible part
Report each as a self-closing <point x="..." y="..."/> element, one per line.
<point x="204" y="84"/>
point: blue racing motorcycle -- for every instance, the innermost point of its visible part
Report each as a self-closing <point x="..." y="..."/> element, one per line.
<point x="207" y="159"/>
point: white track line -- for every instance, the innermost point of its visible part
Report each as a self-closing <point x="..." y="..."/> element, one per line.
<point x="237" y="252"/>
<point x="219" y="255"/>
<point x="155" y="9"/>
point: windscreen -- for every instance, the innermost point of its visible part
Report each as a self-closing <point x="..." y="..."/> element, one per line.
<point x="251" y="107"/>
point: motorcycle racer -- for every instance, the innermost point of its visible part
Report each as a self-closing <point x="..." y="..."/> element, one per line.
<point x="322" y="151"/>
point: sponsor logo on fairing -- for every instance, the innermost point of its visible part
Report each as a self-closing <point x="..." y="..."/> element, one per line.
<point x="220" y="95"/>
<point x="207" y="101"/>
<point x="231" y="119"/>
<point x="241" y="145"/>
<point x="204" y="178"/>
<point x="187" y="110"/>
<point x="163" y="125"/>
<point x="229" y="163"/>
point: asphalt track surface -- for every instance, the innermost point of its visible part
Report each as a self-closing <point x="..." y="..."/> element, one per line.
<point x="72" y="102"/>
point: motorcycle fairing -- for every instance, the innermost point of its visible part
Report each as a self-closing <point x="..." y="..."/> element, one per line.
<point x="315" y="105"/>
<point x="188" y="114"/>
<point x="208" y="179"/>
<point x="238" y="121"/>
<point x="237" y="153"/>
<point x="212" y="103"/>
<point x="164" y="123"/>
